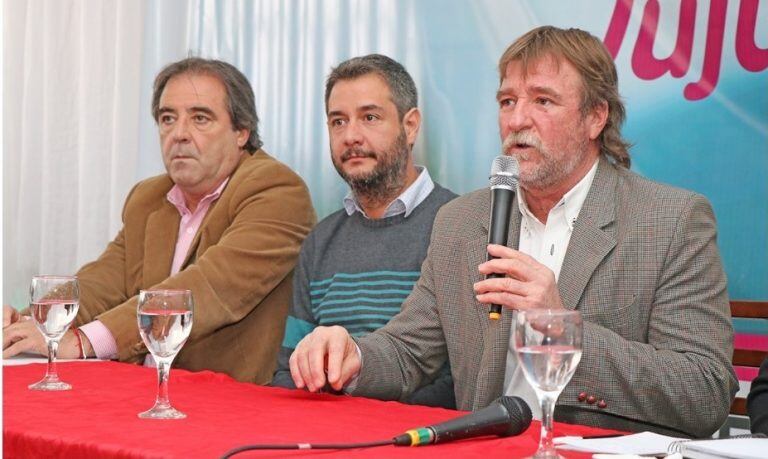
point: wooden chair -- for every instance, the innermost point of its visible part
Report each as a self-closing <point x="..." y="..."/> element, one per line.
<point x="750" y="321"/>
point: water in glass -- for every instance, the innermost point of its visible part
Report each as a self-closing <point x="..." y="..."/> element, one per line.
<point x="548" y="347"/>
<point x="54" y="301"/>
<point x="165" y="322"/>
<point x="165" y="332"/>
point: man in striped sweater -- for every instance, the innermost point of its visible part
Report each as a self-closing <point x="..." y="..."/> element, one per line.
<point x="360" y="263"/>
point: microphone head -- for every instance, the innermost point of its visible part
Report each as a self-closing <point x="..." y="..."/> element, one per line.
<point x="504" y="172"/>
<point x="519" y="413"/>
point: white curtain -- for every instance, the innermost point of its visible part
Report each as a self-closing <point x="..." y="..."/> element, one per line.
<point x="71" y="124"/>
<point x="76" y="80"/>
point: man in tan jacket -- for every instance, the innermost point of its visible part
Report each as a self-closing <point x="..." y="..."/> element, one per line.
<point x="226" y="222"/>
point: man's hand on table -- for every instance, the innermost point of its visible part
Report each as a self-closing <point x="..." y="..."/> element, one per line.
<point x="328" y="354"/>
<point x="21" y="335"/>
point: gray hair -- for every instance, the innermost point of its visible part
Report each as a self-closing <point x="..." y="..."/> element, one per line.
<point x="239" y="99"/>
<point x="600" y="81"/>
<point x="400" y="83"/>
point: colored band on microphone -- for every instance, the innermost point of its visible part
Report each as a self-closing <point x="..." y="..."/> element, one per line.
<point x="420" y="436"/>
<point x="495" y="313"/>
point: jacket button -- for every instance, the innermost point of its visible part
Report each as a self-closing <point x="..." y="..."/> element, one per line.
<point x="582" y="396"/>
<point x="591" y="399"/>
<point x="601" y="404"/>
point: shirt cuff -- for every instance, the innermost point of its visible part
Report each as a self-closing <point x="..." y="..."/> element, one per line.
<point x="102" y="341"/>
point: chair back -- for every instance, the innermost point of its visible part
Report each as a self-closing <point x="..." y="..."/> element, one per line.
<point x="750" y="346"/>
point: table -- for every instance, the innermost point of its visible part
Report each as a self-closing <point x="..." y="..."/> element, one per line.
<point x="97" y="418"/>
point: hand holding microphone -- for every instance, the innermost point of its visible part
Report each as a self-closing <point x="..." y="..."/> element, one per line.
<point x="504" y="176"/>
<point x="513" y="279"/>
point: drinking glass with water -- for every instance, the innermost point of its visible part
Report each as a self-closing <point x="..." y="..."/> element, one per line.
<point x="53" y="305"/>
<point x="548" y="347"/>
<point x="165" y="321"/>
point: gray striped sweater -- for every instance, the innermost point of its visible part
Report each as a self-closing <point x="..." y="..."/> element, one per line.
<point x="356" y="273"/>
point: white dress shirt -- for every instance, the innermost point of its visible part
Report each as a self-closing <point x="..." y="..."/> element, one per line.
<point x="547" y="244"/>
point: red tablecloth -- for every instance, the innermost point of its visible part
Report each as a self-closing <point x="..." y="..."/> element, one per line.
<point x="97" y="418"/>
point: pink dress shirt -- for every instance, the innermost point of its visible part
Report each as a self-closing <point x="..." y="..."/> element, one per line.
<point x="98" y="334"/>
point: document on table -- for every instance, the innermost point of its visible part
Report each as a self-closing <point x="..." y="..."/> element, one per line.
<point x="651" y="444"/>
<point x="644" y="444"/>
<point x="727" y="448"/>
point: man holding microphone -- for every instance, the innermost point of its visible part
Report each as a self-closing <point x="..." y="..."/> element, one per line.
<point x="636" y="258"/>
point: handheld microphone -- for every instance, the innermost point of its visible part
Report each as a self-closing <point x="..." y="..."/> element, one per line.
<point x="504" y="417"/>
<point x="504" y="175"/>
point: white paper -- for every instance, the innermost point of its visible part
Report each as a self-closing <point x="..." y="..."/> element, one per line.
<point x="644" y="443"/>
<point x="737" y="448"/>
<point x="26" y="358"/>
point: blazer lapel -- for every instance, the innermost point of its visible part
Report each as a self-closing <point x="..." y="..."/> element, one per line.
<point x="493" y="364"/>
<point x="593" y="236"/>
<point x="159" y="244"/>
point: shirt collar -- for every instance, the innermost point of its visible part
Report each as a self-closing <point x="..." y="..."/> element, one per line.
<point x="405" y="203"/>
<point x="571" y="202"/>
<point x="176" y="197"/>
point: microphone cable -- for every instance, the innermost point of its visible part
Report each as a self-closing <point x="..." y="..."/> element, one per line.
<point x="413" y="437"/>
<point x="279" y="446"/>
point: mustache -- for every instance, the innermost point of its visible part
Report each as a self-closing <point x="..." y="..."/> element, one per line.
<point x="185" y="151"/>
<point x="521" y="138"/>
<point x="356" y="153"/>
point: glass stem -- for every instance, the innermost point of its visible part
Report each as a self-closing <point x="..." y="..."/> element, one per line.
<point x="163" y="371"/>
<point x="53" y="346"/>
<point x="547" y="414"/>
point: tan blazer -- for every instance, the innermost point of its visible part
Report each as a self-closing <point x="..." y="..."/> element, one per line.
<point x="643" y="268"/>
<point x="239" y="268"/>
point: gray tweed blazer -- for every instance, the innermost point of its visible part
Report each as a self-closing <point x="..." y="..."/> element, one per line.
<point x="643" y="268"/>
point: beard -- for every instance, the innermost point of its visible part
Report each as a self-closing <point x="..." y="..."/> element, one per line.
<point x="385" y="181"/>
<point x="553" y="167"/>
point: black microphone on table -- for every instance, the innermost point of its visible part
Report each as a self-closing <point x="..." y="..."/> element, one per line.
<point x="504" y="176"/>
<point x="504" y="417"/>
